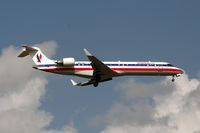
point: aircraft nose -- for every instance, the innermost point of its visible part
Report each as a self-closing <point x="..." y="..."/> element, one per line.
<point x="181" y="71"/>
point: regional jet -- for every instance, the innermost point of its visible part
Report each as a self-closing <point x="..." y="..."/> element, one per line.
<point x="96" y="70"/>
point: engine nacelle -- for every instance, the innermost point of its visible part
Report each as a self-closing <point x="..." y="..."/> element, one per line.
<point x="67" y="61"/>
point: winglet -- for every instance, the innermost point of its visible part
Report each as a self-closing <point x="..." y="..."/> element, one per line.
<point x="87" y="52"/>
<point x="73" y="82"/>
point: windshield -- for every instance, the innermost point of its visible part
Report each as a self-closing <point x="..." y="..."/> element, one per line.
<point x="169" y="65"/>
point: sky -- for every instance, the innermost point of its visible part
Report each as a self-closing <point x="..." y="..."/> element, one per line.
<point x="112" y="30"/>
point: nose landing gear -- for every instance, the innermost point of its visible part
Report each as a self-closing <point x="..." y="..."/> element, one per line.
<point x="173" y="79"/>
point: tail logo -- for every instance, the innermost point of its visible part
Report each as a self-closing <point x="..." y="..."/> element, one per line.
<point x="39" y="57"/>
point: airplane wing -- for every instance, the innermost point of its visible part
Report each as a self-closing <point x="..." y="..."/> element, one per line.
<point x="99" y="67"/>
<point x="101" y="72"/>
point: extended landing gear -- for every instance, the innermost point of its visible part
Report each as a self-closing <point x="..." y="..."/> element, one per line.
<point x="173" y="79"/>
<point x="95" y="84"/>
<point x="97" y="78"/>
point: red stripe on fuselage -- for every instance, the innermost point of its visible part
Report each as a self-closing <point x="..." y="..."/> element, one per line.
<point x="147" y="69"/>
<point x="116" y="69"/>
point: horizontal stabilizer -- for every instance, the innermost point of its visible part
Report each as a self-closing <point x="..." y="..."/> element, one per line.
<point x="23" y="54"/>
<point x="27" y="50"/>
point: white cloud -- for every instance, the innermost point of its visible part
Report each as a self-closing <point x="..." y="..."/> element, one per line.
<point x="156" y="107"/>
<point x="21" y="90"/>
<point x="144" y="107"/>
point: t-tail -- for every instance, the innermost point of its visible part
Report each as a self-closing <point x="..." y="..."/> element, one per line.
<point x="36" y="54"/>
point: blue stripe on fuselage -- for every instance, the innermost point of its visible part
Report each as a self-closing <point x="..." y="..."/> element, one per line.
<point x="49" y="65"/>
<point x="46" y="65"/>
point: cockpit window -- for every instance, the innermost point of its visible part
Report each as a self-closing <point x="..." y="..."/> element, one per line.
<point x="169" y="65"/>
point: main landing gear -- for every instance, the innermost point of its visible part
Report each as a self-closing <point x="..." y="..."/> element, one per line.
<point x="95" y="84"/>
<point x="97" y="78"/>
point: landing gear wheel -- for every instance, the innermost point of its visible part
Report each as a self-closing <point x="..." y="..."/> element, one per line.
<point x="173" y="79"/>
<point x="95" y="84"/>
<point x="97" y="78"/>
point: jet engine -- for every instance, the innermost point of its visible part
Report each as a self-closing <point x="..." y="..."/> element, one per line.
<point x="67" y="62"/>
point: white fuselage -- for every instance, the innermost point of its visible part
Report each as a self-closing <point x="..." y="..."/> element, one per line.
<point x="84" y="68"/>
<point x="96" y="70"/>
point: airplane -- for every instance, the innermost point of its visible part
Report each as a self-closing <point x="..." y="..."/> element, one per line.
<point x="96" y="70"/>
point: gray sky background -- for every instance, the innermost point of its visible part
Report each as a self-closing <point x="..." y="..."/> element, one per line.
<point x="112" y="30"/>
